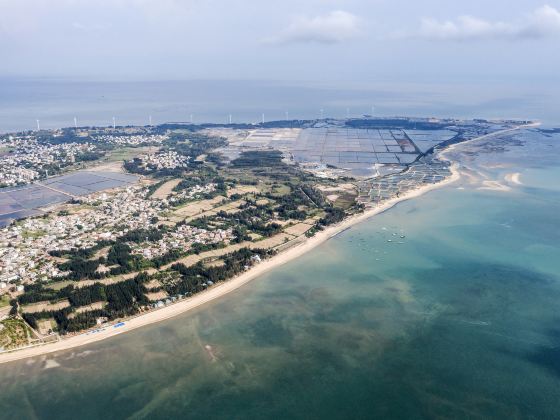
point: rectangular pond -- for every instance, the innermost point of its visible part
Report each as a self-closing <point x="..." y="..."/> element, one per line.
<point x="25" y="201"/>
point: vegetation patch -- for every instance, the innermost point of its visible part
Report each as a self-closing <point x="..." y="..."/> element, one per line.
<point x="259" y="159"/>
<point x="14" y="333"/>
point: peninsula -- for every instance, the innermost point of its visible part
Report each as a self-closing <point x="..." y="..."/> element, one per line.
<point x="110" y="229"/>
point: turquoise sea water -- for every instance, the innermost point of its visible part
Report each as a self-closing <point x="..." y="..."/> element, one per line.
<point x="461" y="320"/>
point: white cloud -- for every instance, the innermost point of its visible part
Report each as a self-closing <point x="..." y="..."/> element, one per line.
<point x="543" y="22"/>
<point x="334" y="27"/>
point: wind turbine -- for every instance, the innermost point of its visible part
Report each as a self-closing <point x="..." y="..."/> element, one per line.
<point x="230" y="119"/>
<point x="191" y="118"/>
<point x="114" y="124"/>
<point x="150" y="120"/>
<point x="75" y="123"/>
<point x="38" y="126"/>
<point x="347" y="112"/>
<point x="263" y="118"/>
<point x="322" y="111"/>
<point x="287" y="116"/>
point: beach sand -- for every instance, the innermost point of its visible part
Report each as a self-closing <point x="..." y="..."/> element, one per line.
<point x="224" y="288"/>
<point x="220" y="289"/>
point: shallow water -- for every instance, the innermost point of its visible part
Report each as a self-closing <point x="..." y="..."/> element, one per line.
<point x="460" y="320"/>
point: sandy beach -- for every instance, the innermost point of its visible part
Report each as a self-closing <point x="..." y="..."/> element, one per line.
<point x="224" y="288"/>
<point x="220" y="289"/>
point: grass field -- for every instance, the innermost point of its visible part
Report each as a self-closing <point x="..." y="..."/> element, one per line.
<point x="155" y="296"/>
<point x="273" y="241"/>
<point x="166" y="189"/>
<point x="243" y="189"/>
<point x="298" y="229"/>
<point x="60" y="284"/>
<point x="14" y="333"/>
<point x="34" y="234"/>
<point x="127" y="153"/>
<point x="45" y="306"/>
<point x="229" y="208"/>
<point x="92" y="307"/>
<point x="46" y="326"/>
<point x="342" y="196"/>
<point x="197" y="207"/>
<point x="280" y="190"/>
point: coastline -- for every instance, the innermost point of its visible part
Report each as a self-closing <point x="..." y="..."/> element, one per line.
<point x="443" y="153"/>
<point x="221" y="289"/>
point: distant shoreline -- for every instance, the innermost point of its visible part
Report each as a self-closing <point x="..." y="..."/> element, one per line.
<point x="221" y="289"/>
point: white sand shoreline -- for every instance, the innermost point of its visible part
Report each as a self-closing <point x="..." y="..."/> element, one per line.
<point x="220" y="289"/>
<point x="236" y="282"/>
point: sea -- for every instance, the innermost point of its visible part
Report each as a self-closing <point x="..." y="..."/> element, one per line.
<point x="445" y="306"/>
<point x="56" y="102"/>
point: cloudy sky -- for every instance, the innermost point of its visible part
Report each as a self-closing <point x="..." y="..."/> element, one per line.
<point x="324" y="40"/>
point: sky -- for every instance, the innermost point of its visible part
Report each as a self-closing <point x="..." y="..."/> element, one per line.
<point x="318" y="40"/>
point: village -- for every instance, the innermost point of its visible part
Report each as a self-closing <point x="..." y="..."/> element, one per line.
<point x="23" y="159"/>
<point x="164" y="160"/>
<point x="185" y="217"/>
<point x="129" y="139"/>
<point x="32" y="156"/>
<point x="24" y="245"/>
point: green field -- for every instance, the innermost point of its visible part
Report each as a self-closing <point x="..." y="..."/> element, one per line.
<point x="4" y="301"/>
<point x="127" y="153"/>
<point x="14" y="333"/>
